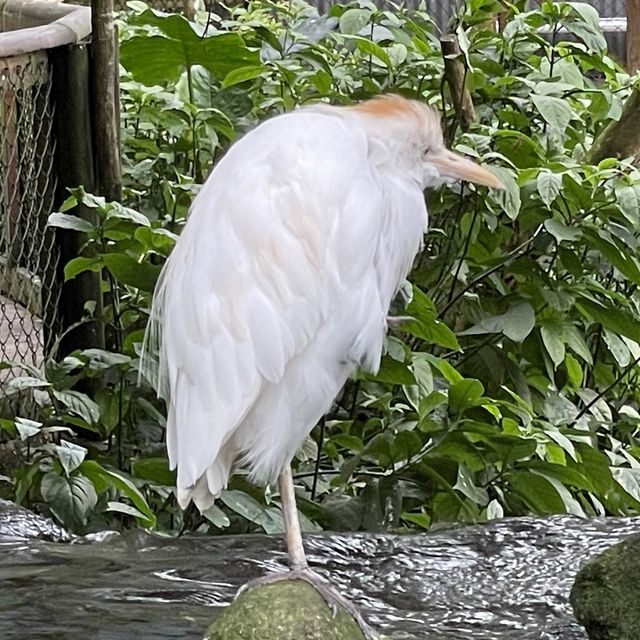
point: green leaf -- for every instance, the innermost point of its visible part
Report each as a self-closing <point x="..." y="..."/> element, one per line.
<point x="570" y="504"/>
<point x="509" y="197"/>
<point x="588" y="28"/>
<point x="370" y="48"/>
<point x="548" y="185"/>
<point x="617" y="255"/>
<point x="517" y="323"/>
<point x="248" y="507"/>
<point x="70" y="499"/>
<point x="217" y="517"/>
<point x="575" y="340"/>
<point x="465" y="484"/>
<point x="574" y="370"/>
<point x="448" y="372"/>
<point x="243" y="504"/>
<point x="421" y="306"/>
<point x="70" y="455"/>
<point x="161" y="240"/>
<point x="555" y="111"/>
<point x="406" y="445"/>
<point x="80" y="264"/>
<point x="424" y="381"/>
<point x="393" y="372"/>
<point x="617" y="348"/>
<point x="141" y="275"/>
<point x="67" y="221"/>
<point x="512" y="448"/>
<point x="433" y="332"/>
<point x="127" y="509"/>
<point x="627" y="200"/>
<point x="464" y="394"/>
<point x="101" y="359"/>
<point x="594" y="465"/>
<point x="426" y="325"/>
<point x="611" y="318"/>
<point x="552" y="337"/>
<point x="155" y="470"/>
<point x="494" y="510"/>
<point x="352" y="21"/>
<point x="538" y="493"/>
<point x="153" y="59"/>
<point x="27" y="428"/>
<point x="80" y="404"/>
<point x="561" y="232"/>
<point x="629" y="481"/>
<point x="105" y="477"/>
<point x="237" y="76"/>
<point x="24" y="382"/>
<point x="119" y="212"/>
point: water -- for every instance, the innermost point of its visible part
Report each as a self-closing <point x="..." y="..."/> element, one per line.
<point x="505" y="580"/>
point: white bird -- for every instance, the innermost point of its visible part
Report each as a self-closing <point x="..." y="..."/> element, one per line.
<point x="279" y="286"/>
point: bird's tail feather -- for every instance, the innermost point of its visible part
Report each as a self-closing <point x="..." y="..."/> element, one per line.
<point x="209" y="485"/>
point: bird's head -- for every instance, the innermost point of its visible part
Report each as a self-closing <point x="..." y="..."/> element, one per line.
<point x="411" y="137"/>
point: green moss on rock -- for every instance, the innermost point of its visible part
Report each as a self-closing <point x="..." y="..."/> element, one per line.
<point x="287" y="610"/>
<point x="606" y="593"/>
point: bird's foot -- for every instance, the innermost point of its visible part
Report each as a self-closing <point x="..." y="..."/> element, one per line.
<point x="334" y="599"/>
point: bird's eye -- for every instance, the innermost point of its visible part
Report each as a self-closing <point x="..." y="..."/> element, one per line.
<point x="427" y="151"/>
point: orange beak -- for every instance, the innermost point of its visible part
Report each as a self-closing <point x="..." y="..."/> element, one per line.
<point x="451" y="165"/>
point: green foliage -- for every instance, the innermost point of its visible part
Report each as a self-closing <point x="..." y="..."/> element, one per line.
<point x="512" y="386"/>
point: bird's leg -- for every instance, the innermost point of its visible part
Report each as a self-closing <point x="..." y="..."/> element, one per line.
<point x="298" y="567"/>
<point x="396" y="321"/>
<point x="295" y="550"/>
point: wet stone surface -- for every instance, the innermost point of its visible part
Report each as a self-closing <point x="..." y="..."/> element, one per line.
<point x="17" y="522"/>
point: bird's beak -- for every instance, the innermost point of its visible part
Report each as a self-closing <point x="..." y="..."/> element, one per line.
<point x="451" y="165"/>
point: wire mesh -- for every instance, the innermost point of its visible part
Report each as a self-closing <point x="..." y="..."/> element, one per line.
<point x="28" y="254"/>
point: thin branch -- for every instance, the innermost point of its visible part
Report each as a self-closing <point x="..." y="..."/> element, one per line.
<point x="604" y="392"/>
<point x="512" y="255"/>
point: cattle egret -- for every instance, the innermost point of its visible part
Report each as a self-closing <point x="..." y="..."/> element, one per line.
<point x="279" y="286"/>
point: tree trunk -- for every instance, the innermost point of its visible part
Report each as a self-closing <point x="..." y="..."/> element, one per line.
<point x="633" y="35"/>
<point x="620" y="139"/>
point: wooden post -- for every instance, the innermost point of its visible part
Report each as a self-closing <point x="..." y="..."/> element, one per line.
<point x="633" y="35"/>
<point x="454" y="73"/>
<point x="74" y="167"/>
<point x="106" y="100"/>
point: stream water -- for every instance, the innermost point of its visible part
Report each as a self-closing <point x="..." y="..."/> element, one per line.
<point x="504" y="580"/>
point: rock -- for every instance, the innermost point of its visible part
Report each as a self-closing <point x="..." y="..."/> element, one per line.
<point x="606" y="593"/>
<point x="286" y="610"/>
<point x="18" y="522"/>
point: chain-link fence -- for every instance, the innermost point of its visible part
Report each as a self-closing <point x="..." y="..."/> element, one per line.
<point x="28" y="255"/>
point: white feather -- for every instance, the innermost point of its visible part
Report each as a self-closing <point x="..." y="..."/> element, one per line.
<point x="278" y="289"/>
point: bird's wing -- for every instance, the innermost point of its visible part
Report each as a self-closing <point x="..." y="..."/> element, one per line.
<point x="267" y="254"/>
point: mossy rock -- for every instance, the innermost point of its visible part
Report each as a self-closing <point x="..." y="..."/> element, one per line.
<point x="606" y="593"/>
<point x="286" y="610"/>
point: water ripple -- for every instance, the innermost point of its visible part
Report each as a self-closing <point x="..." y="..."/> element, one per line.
<point x="505" y="580"/>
